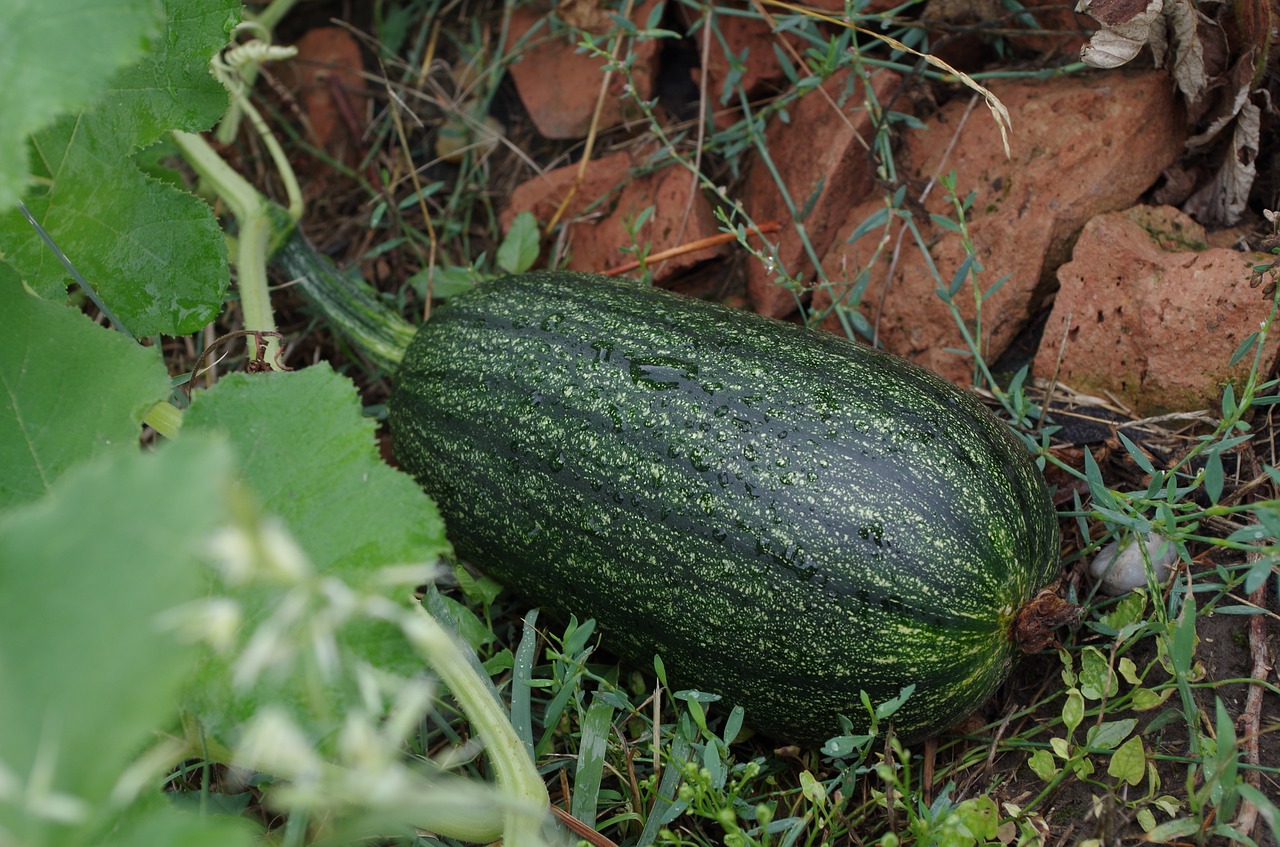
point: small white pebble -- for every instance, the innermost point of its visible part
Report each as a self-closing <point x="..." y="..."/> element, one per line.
<point x="1119" y="566"/>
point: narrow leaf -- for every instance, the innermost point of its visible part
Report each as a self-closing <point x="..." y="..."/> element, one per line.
<point x="521" y="674"/>
<point x="1214" y="477"/>
<point x="1172" y="830"/>
<point x="593" y="745"/>
<point x="875" y="220"/>
<point x="1135" y="453"/>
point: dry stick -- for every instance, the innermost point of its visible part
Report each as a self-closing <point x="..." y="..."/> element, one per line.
<point x="693" y="246"/>
<point x="580" y="829"/>
<point x="1057" y="369"/>
<point x="396" y="102"/>
<point x="581" y="175"/>
<point x="930" y="762"/>
<point x="657" y="747"/>
<point x="394" y="105"/>
<point x="989" y="767"/>
<point x="694" y="177"/>
<point x="633" y="781"/>
<point x="890" y="791"/>
<point x="1251" y="717"/>
<point x="565" y="796"/>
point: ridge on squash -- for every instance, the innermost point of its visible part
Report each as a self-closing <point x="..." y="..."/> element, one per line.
<point x="787" y="517"/>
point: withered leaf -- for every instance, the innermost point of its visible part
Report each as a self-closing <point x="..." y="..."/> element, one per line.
<point x="1119" y="41"/>
<point x="1111" y="13"/>
<point x="1222" y="200"/>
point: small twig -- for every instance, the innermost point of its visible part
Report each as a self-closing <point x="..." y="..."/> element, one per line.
<point x="657" y="729"/>
<point x="1253" y="601"/>
<point x="890" y="788"/>
<point x="432" y="241"/>
<point x="633" y="781"/>
<point x="566" y="796"/>
<point x="703" y="86"/>
<point x="1239" y="494"/>
<point x="693" y="246"/>
<point x="337" y="90"/>
<point x="1057" y="369"/>
<point x="594" y="130"/>
<point x="1251" y="718"/>
<point x="580" y="829"/>
<point x="989" y="767"/>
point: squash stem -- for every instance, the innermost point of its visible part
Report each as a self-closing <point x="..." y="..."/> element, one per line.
<point x="348" y="301"/>
<point x="259" y="223"/>
<point x="511" y="763"/>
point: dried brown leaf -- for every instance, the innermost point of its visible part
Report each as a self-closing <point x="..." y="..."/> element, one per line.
<point x="1126" y="29"/>
<point x="1222" y="201"/>
<point x="1227" y="105"/>
<point x="1111" y="13"/>
<point x="1179" y="182"/>
<point x="1184" y="23"/>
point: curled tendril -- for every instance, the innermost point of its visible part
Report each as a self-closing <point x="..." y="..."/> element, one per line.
<point x="257" y="364"/>
<point x="254" y="53"/>
<point x="236" y="67"/>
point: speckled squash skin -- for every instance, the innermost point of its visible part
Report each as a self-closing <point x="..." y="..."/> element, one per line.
<point x="788" y="518"/>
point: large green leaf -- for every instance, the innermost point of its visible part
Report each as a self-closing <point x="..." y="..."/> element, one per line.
<point x="311" y="459"/>
<point x="154" y="252"/>
<point x="69" y="390"/>
<point x="56" y="56"/>
<point x="172" y="88"/>
<point x="88" y="670"/>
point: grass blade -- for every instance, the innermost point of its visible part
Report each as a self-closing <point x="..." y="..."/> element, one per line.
<point x="666" y="790"/>
<point x="591" y="753"/>
<point x="521" y="674"/>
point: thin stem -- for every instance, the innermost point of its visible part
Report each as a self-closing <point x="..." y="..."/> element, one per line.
<point x="234" y="190"/>
<point x="512" y="766"/>
<point x="257" y="232"/>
